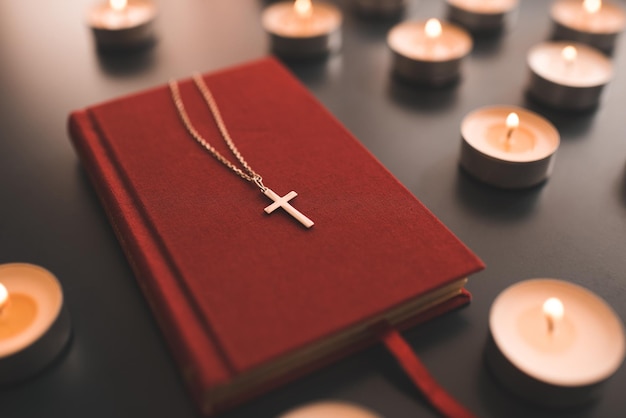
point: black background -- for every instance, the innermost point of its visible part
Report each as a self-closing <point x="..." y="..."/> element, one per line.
<point x="573" y="227"/>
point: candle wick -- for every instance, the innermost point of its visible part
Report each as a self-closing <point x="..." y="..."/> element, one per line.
<point x="550" y="325"/>
<point x="509" y="139"/>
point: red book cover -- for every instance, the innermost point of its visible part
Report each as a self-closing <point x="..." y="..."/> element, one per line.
<point x="248" y="300"/>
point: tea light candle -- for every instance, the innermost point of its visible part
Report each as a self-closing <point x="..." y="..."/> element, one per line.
<point x="482" y="15"/>
<point x="122" y="24"/>
<point x="330" y="409"/>
<point x="591" y="22"/>
<point x="507" y="146"/>
<point x="303" y="29"/>
<point x="34" y="325"/>
<point x="428" y="52"/>
<point x="568" y="76"/>
<point x="379" y="8"/>
<point x="553" y="342"/>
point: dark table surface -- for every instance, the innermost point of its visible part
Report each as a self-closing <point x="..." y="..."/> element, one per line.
<point x="573" y="227"/>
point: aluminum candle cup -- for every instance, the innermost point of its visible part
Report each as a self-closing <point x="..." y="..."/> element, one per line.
<point x="591" y="22"/>
<point x="303" y="29"/>
<point x="428" y="52"/>
<point x="379" y="8"/>
<point x="482" y="16"/>
<point x="119" y="25"/>
<point x="34" y="324"/>
<point x="553" y="343"/>
<point x="568" y="76"/>
<point x="508" y="147"/>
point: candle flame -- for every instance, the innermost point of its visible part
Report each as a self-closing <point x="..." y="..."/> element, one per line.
<point x="569" y="53"/>
<point x="118" y="5"/>
<point x="4" y="296"/>
<point x="512" y="121"/>
<point x="592" y="6"/>
<point x="433" y="28"/>
<point x="553" y="310"/>
<point x="303" y="8"/>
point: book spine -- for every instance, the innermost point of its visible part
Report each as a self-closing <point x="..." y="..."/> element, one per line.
<point x="195" y="353"/>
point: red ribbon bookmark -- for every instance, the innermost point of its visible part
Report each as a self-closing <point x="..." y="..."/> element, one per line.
<point x="438" y="398"/>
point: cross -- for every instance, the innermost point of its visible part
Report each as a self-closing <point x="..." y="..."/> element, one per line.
<point x="284" y="203"/>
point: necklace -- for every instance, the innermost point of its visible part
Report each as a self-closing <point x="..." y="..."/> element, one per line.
<point x="245" y="172"/>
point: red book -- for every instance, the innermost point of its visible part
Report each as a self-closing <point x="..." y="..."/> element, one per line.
<point x="249" y="300"/>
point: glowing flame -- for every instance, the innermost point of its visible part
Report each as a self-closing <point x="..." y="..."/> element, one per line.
<point x="512" y="121"/>
<point x="118" y="5"/>
<point x="592" y="6"/>
<point x="4" y="296"/>
<point x="433" y="28"/>
<point x="553" y="310"/>
<point x="569" y="53"/>
<point x="303" y="8"/>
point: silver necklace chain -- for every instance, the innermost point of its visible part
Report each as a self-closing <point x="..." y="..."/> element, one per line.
<point x="247" y="173"/>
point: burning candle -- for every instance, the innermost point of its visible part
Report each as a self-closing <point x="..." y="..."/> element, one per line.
<point x="428" y="52"/>
<point x="34" y="325"/>
<point x="482" y="16"/>
<point x="302" y="29"/>
<point x="568" y="76"/>
<point x="553" y="342"/>
<point x="591" y="22"/>
<point x="330" y="409"/>
<point x="508" y="146"/>
<point x="123" y="24"/>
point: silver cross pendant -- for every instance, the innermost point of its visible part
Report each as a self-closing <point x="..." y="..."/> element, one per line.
<point x="283" y="202"/>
